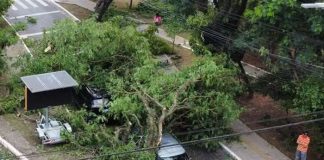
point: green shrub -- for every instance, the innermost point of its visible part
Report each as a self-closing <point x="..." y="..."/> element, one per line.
<point x="20" y="26"/>
<point x="9" y="104"/>
<point x="7" y="37"/>
<point x="31" y="20"/>
<point x="3" y="64"/>
<point x="157" y="45"/>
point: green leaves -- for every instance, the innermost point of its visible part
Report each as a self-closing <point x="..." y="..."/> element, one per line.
<point x="4" y="6"/>
<point x="309" y="95"/>
<point x="89" y="47"/>
<point x="200" y="19"/>
<point x="269" y="9"/>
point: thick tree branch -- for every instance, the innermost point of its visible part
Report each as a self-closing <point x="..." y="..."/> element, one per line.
<point x="182" y="88"/>
<point x="153" y="99"/>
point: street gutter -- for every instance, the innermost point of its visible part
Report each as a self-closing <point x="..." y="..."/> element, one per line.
<point x="12" y="149"/>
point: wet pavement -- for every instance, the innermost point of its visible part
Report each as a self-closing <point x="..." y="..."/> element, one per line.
<point x="45" y="12"/>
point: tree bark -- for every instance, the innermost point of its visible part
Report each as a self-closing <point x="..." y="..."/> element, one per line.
<point x="153" y="107"/>
<point x="202" y="5"/>
<point x="246" y="79"/>
<point x="101" y="8"/>
<point x="293" y="63"/>
<point x="160" y="126"/>
<point x="130" y="4"/>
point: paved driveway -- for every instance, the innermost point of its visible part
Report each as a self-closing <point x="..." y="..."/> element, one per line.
<point x="44" y="11"/>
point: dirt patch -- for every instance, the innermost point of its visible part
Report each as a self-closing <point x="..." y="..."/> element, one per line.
<point x="186" y="57"/>
<point x="125" y="3"/>
<point x="20" y="132"/>
<point x="264" y="107"/>
<point x="255" y="60"/>
<point x="77" y="11"/>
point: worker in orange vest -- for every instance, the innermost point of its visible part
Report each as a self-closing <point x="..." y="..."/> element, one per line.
<point x="303" y="142"/>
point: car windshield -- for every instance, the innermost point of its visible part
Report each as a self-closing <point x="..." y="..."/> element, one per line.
<point x="97" y="103"/>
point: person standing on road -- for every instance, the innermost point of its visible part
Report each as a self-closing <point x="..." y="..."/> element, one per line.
<point x="157" y="19"/>
<point x="303" y="142"/>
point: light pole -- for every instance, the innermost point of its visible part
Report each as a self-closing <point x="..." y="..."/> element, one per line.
<point x="313" y="5"/>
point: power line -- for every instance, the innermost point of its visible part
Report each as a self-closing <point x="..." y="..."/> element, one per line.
<point x="288" y="60"/>
<point x="204" y="139"/>
<point x="241" y="17"/>
<point x="255" y="122"/>
<point x="225" y="39"/>
<point x="189" y="132"/>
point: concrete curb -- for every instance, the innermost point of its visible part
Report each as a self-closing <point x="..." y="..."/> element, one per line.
<point x="229" y="151"/>
<point x="89" y="5"/>
<point x="21" y="38"/>
<point x="259" y="69"/>
<point x="65" y="10"/>
<point x="12" y="149"/>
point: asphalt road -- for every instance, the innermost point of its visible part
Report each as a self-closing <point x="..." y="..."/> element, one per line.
<point x="45" y="12"/>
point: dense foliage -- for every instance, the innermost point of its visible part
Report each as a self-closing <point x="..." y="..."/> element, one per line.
<point x="297" y="36"/>
<point x="7" y="35"/>
<point x="147" y="100"/>
<point x="4" y="5"/>
<point x="289" y="39"/>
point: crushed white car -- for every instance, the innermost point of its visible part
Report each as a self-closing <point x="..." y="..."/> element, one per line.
<point x="50" y="132"/>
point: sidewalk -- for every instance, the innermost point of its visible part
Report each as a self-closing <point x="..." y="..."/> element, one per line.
<point x="15" y="137"/>
<point x="87" y="4"/>
<point x="252" y="146"/>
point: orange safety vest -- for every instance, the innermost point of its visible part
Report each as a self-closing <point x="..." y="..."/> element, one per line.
<point x="303" y="141"/>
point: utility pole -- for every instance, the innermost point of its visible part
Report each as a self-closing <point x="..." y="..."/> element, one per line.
<point x="313" y="5"/>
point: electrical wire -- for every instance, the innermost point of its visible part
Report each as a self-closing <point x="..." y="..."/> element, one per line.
<point x="254" y="48"/>
<point x="203" y="140"/>
<point x="225" y="38"/>
<point x="195" y="131"/>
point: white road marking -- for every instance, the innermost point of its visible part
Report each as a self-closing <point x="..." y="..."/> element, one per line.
<point x="42" y="2"/>
<point x="35" y="14"/>
<point x="13" y="7"/>
<point x="21" y="4"/>
<point x="31" y="34"/>
<point x="31" y="3"/>
<point x="12" y="149"/>
<point x="22" y="40"/>
<point x="66" y="11"/>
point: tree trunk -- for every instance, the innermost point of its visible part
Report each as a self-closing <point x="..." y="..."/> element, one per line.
<point x="173" y="44"/>
<point x="130" y="4"/>
<point x="237" y="57"/>
<point x="293" y="63"/>
<point x="160" y="126"/>
<point x="151" y="131"/>
<point x="101" y="8"/>
<point x="202" y="5"/>
<point x="246" y="79"/>
<point x="216" y="3"/>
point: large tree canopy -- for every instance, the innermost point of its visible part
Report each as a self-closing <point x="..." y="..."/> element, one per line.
<point x="187" y="99"/>
<point x="146" y="100"/>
